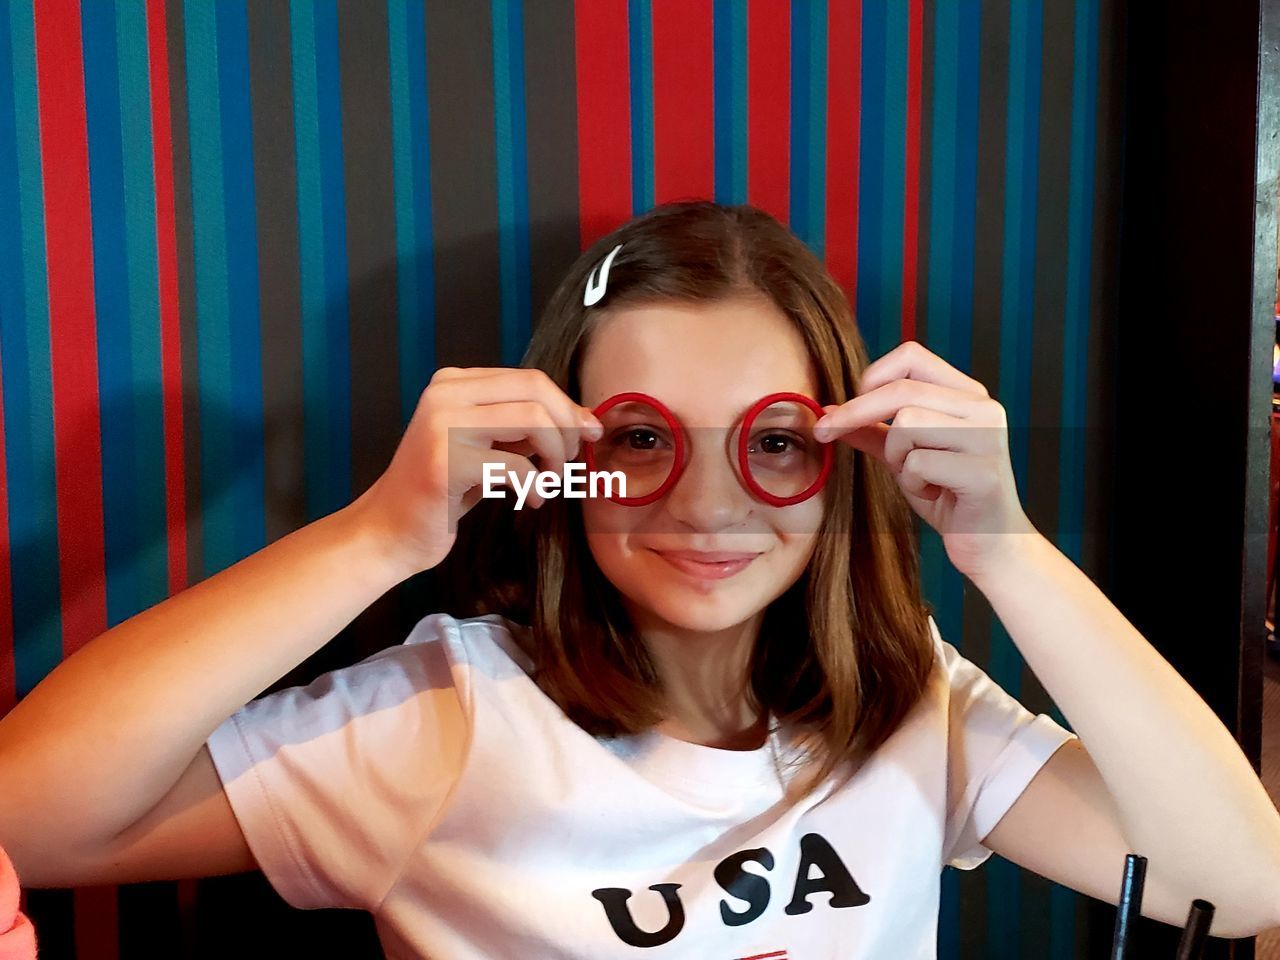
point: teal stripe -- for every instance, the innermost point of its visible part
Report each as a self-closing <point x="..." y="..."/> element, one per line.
<point x="729" y="40"/>
<point x="322" y="256"/>
<point x="28" y="388"/>
<point x="513" y="177"/>
<point x="895" y="166"/>
<point x="109" y="289"/>
<point x="808" y="124"/>
<point x="411" y="172"/>
<point x="209" y="229"/>
<point x="306" y="127"/>
<point x="817" y="200"/>
<point x="640" y="36"/>
<point x="143" y="291"/>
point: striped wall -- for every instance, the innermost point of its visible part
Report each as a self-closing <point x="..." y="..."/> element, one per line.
<point x="239" y="236"/>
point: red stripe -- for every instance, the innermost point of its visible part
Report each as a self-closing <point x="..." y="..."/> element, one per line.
<point x="769" y="106"/>
<point x="683" y="101"/>
<point x="844" y="106"/>
<point x="72" y="324"/>
<point x="604" y="117"/>
<point x="911" y="195"/>
<point x="64" y="158"/>
<point x="8" y="668"/>
<point x="167" y="264"/>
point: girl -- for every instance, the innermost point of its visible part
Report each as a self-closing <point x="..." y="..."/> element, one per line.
<point x="709" y="716"/>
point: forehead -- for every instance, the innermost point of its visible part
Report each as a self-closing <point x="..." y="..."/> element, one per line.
<point x="707" y="360"/>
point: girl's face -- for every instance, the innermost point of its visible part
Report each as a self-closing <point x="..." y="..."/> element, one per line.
<point x="707" y="363"/>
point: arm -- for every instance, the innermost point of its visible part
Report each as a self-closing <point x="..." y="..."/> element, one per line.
<point x="121" y="720"/>
<point x="1179" y="789"/>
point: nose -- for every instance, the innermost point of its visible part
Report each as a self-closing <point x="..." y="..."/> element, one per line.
<point x="708" y="495"/>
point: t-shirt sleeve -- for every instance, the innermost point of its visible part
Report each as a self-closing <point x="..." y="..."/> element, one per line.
<point x="335" y="783"/>
<point x="995" y="747"/>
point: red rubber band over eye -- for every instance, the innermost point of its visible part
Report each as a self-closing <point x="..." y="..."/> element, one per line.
<point x="744" y="465"/>
<point x="677" y="435"/>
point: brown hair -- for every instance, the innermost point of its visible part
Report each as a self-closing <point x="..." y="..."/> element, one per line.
<point x="868" y="652"/>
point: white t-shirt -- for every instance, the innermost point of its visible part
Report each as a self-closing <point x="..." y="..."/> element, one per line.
<point x="435" y="785"/>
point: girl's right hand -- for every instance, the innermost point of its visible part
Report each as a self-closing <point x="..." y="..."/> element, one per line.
<point x="467" y="417"/>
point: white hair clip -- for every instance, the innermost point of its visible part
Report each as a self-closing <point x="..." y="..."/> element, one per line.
<point x="595" y="290"/>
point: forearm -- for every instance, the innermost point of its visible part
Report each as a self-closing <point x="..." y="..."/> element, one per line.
<point x="1187" y="796"/>
<point x="109" y="731"/>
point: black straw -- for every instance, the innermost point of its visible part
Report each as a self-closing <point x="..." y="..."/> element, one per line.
<point x="1196" y="932"/>
<point x="1130" y="906"/>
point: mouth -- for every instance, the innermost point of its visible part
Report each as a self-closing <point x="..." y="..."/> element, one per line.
<point x="714" y="565"/>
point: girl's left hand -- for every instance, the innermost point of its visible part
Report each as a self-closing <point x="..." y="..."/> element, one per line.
<point x="948" y="447"/>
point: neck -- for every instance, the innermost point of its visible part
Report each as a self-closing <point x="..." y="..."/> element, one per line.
<point x="706" y="679"/>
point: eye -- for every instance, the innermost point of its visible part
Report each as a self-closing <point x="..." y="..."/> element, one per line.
<point x="777" y="443"/>
<point x="641" y="438"/>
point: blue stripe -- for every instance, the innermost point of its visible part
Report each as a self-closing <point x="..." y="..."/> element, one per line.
<point x="513" y="176"/>
<point x="407" y="63"/>
<point x="817" y="159"/>
<point x="728" y="59"/>
<point x="217" y="461"/>
<point x="871" y="279"/>
<point x="149" y="494"/>
<point x="640" y="39"/>
<point x="322" y="242"/>
<point x="740" y="145"/>
<point x="306" y="132"/>
<point x="111" y="305"/>
<point x="895" y="165"/>
<point x="25" y="351"/>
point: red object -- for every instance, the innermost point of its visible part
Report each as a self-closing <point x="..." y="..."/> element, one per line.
<point x="680" y="444"/>
<point x="17" y="935"/>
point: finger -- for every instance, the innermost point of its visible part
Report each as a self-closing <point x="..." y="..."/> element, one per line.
<point x="509" y="384"/>
<point x="916" y="427"/>
<point x="884" y="403"/>
<point x="911" y="360"/>
<point x="526" y="422"/>
<point x="467" y="473"/>
<point x="961" y="473"/>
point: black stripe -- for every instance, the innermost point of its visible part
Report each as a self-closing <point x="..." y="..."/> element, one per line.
<point x="1096" y="919"/>
<point x="150" y="923"/>
<point x="369" y="179"/>
<point x="52" y="913"/>
<point x="371" y="237"/>
<point x="464" y="197"/>
<point x="1048" y="326"/>
<point x="552" y="129"/>
<point x="186" y="286"/>
<point x="988" y="261"/>
<point x="1104" y="293"/>
<point x="276" y="187"/>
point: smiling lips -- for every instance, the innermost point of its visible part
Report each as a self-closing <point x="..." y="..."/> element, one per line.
<point x="713" y="565"/>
